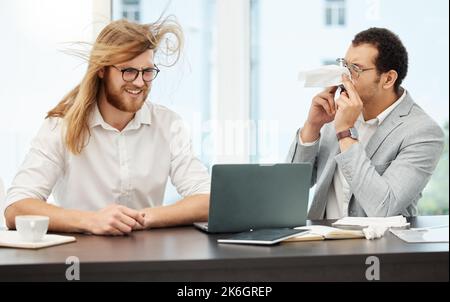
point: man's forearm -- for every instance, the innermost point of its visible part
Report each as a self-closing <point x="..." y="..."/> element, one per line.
<point x="184" y="212"/>
<point x="61" y="220"/>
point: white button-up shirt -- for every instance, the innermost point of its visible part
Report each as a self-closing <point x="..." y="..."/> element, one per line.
<point x="339" y="194"/>
<point x="129" y="167"/>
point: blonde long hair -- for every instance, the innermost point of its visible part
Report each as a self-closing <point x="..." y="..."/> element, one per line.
<point x="118" y="42"/>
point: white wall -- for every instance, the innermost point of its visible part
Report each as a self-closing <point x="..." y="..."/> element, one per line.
<point x="36" y="74"/>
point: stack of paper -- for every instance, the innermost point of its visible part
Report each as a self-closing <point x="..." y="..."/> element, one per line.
<point x="321" y="232"/>
<point x="364" y="222"/>
<point x="424" y="235"/>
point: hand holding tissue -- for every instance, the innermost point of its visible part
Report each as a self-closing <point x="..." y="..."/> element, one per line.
<point x="325" y="76"/>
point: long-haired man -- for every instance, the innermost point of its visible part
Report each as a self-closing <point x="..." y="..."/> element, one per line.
<point x="106" y="153"/>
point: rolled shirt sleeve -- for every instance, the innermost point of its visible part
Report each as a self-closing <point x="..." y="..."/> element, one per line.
<point x="187" y="173"/>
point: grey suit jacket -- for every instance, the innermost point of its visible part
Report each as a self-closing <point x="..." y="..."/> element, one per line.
<point x="388" y="176"/>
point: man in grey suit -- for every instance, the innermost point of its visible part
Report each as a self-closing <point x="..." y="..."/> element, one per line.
<point x="373" y="149"/>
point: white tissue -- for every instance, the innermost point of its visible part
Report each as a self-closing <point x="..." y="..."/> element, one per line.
<point x="374" y="231"/>
<point x="373" y="227"/>
<point x="325" y="76"/>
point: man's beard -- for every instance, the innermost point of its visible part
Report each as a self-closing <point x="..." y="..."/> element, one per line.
<point x="370" y="92"/>
<point x="117" y="98"/>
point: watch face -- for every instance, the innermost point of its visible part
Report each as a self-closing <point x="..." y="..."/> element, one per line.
<point x="353" y="133"/>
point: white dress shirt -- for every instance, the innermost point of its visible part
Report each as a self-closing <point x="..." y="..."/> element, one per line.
<point x="129" y="167"/>
<point x="339" y="193"/>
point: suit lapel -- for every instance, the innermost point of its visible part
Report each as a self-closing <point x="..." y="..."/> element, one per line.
<point x="390" y="123"/>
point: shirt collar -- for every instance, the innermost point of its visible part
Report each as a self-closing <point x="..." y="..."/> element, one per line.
<point x="142" y="116"/>
<point x="383" y="115"/>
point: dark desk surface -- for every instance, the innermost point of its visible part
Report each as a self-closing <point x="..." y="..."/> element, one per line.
<point x="186" y="254"/>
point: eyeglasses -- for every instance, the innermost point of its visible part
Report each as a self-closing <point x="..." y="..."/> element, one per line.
<point x="130" y="74"/>
<point x="355" y="70"/>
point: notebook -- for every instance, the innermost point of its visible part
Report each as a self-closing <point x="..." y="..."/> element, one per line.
<point x="262" y="236"/>
<point x="12" y="239"/>
<point x="321" y="232"/>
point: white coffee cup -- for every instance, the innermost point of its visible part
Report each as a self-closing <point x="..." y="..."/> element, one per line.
<point x="32" y="228"/>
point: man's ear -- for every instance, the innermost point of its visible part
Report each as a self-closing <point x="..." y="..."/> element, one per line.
<point x="101" y="73"/>
<point x="389" y="79"/>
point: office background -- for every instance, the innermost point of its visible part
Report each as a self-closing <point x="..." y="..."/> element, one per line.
<point x="236" y="84"/>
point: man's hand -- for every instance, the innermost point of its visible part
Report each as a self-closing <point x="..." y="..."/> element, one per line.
<point x="115" y="220"/>
<point x="349" y="107"/>
<point x="148" y="214"/>
<point x="322" y="111"/>
<point x="145" y="225"/>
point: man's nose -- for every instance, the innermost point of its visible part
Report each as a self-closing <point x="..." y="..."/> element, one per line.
<point x="139" y="82"/>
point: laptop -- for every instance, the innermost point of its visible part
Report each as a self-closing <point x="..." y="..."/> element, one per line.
<point x="252" y="196"/>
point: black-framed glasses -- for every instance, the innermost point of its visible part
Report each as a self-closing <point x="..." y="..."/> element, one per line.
<point x="129" y="74"/>
<point x="355" y="70"/>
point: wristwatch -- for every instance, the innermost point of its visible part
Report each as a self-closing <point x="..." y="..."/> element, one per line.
<point x="352" y="132"/>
